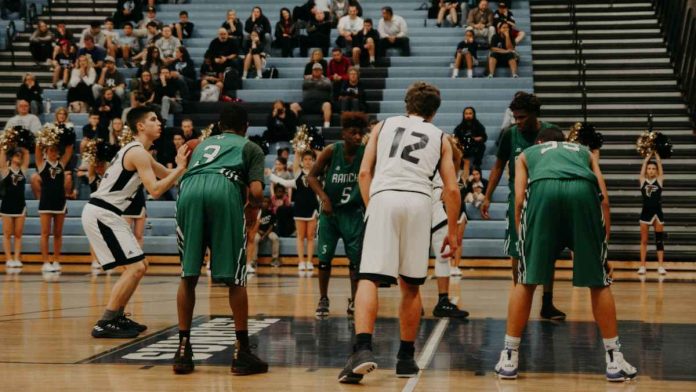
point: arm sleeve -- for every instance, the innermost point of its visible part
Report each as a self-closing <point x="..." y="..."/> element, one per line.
<point x="254" y="161"/>
<point x="504" y="148"/>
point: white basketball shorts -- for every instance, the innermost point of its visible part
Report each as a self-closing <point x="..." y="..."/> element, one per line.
<point x="111" y="237"/>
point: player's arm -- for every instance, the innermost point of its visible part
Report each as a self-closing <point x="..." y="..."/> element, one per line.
<point x="660" y="173"/>
<point x="160" y="170"/>
<point x="141" y="161"/>
<point x="253" y="158"/>
<point x="451" y="197"/>
<point x="67" y="155"/>
<point x="606" y="211"/>
<point x="644" y="168"/>
<point x="318" y="169"/>
<point x="521" y="176"/>
<point x="367" y="166"/>
<point x="493" y="180"/>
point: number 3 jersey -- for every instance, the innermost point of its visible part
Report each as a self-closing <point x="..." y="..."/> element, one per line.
<point x="559" y="161"/>
<point x="341" y="180"/>
<point x="408" y="155"/>
<point x="118" y="186"/>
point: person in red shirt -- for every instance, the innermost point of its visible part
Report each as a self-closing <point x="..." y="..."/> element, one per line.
<point x="338" y="68"/>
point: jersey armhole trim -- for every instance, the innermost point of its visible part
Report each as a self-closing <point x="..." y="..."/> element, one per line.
<point x="123" y="159"/>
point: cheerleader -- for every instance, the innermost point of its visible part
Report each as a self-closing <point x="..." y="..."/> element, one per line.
<point x="135" y="215"/>
<point x="651" y="180"/>
<point x="305" y="207"/>
<point x="14" y="164"/>
<point x="52" y="202"/>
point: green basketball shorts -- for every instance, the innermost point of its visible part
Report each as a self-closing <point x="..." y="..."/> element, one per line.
<point x="346" y="224"/>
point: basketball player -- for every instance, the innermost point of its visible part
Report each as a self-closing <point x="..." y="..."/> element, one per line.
<point x="525" y="109"/>
<point x="109" y="235"/>
<point x="444" y="307"/>
<point x="210" y="213"/>
<point x="342" y="208"/>
<point x="558" y="205"/>
<point x="401" y="158"/>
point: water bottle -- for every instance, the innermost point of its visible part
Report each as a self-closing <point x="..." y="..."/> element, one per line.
<point x="47" y="106"/>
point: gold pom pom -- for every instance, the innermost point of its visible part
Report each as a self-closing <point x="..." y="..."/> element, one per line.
<point x="573" y="134"/>
<point x="302" y="141"/>
<point x="126" y="136"/>
<point x="206" y="132"/>
<point x="49" y="135"/>
<point x="8" y="139"/>
<point x="645" y="144"/>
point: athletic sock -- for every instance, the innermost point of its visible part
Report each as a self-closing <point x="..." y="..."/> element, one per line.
<point x="443" y="296"/>
<point x="469" y="73"/>
<point x="363" y="341"/>
<point x="406" y="350"/>
<point x="243" y="339"/>
<point x="547" y="299"/>
<point x="512" y="343"/>
<point x="455" y="73"/>
<point x="109" y="314"/>
<point x="184" y="334"/>
<point x="121" y="311"/>
<point x="612" y="344"/>
<point x="327" y="124"/>
<point x="372" y="59"/>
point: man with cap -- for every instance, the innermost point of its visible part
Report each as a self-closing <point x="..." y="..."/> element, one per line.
<point x="316" y="95"/>
<point x="503" y="14"/>
<point x="111" y="78"/>
<point x="150" y="16"/>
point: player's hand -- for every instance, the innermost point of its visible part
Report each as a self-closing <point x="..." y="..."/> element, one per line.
<point x="449" y="245"/>
<point x="484" y="208"/>
<point x="182" y="156"/>
<point x="326" y="207"/>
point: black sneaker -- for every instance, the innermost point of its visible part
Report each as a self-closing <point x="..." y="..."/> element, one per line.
<point x="359" y="364"/>
<point x="350" y="311"/>
<point x="112" y="329"/>
<point x="550" y="312"/>
<point x="406" y="367"/>
<point x="445" y="308"/>
<point x="245" y="363"/>
<point x="127" y="323"/>
<point x="183" y="359"/>
<point x="322" y="308"/>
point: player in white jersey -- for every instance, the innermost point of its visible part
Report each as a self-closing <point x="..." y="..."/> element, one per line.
<point x="402" y="156"/>
<point x="110" y="236"/>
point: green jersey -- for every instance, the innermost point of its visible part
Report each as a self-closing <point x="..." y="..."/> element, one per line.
<point x="512" y="143"/>
<point x="228" y="154"/>
<point x="341" y="180"/>
<point x="559" y="161"/>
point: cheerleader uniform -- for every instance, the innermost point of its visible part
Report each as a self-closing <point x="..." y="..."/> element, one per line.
<point x="52" y="189"/>
<point x="652" y="202"/>
<point x="136" y="209"/>
<point x="306" y="205"/>
<point x="13" y="204"/>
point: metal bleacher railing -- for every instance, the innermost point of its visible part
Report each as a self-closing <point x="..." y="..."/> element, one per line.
<point x="580" y="61"/>
<point x="677" y="20"/>
<point x="11" y="35"/>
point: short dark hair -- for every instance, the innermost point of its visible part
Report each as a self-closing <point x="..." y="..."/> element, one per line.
<point x="422" y="99"/>
<point x="95" y="24"/>
<point x="335" y="49"/>
<point x="94" y="113"/>
<point x="235" y="118"/>
<point x="177" y="132"/>
<point x="368" y="20"/>
<point x="309" y="153"/>
<point x="152" y="24"/>
<point x="388" y="9"/>
<point x="527" y="102"/>
<point x="182" y="13"/>
<point x="283" y="161"/>
<point x="552" y="134"/>
<point x="137" y="115"/>
<point x="129" y="24"/>
<point x="279" y="187"/>
<point x="109" y="19"/>
<point x="354" y="120"/>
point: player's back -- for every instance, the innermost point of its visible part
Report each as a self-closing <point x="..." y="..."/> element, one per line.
<point x="559" y="161"/>
<point x="218" y="154"/>
<point x="408" y="155"/>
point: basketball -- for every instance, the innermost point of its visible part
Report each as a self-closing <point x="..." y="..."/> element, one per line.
<point x="192" y="146"/>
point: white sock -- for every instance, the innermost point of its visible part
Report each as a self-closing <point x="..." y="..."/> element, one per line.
<point x="612" y="344"/>
<point x="455" y="73"/>
<point x="372" y="59"/>
<point x="327" y="124"/>
<point x="244" y="75"/>
<point x="469" y="73"/>
<point x="259" y="74"/>
<point x="512" y="343"/>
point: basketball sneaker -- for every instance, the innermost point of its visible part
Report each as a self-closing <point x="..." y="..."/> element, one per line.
<point x="47" y="267"/>
<point x="445" y="308"/>
<point x="359" y="364"/>
<point x="661" y="271"/>
<point x="309" y="266"/>
<point x="350" y="311"/>
<point x="507" y="366"/>
<point x="275" y="262"/>
<point x="618" y="369"/>
<point x="250" y="269"/>
<point x="127" y="323"/>
<point x="56" y="266"/>
<point x="322" y="308"/>
<point x="406" y="367"/>
<point x="183" y="359"/>
<point x="641" y="271"/>
<point x="13" y="264"/>
<point x="245" y="363"/>
<point x="550" y="312"/>
<point x="301" y="266"/>
<point x="112" y="329"/>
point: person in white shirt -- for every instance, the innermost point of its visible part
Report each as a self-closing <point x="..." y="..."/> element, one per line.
<point x="23" y="118"/>
<point x="94" y="30"/>
<point x="167" y="45"/>
<point x="393" y="33"/>
<point x="348" y="27"/>
<point x="110" y="37"/>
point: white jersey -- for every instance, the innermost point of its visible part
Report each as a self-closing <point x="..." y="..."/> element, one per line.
<point x="118" y="186"/>
<point x="408" y="155"/>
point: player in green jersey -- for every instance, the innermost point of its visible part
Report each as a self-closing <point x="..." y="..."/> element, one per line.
<point x="210" y="213"/>
<point x="561" y="201"/>
<point x="342" y="208"/>
<point x="526" y="109"/>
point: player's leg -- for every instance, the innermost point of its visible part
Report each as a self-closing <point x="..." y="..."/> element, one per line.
<point x="301" y="227"/>
<point x="443" y="308"/>
<point x="644" y="232"/>
<point x="409" y="320"/>
<point x="139" y="230"/>
<point x="328" y="239"/>
<point x="659" y="246"/>
<point x="352" y="228"/>
<point x="457" y="259"/>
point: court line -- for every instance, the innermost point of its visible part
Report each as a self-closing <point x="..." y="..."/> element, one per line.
<point x="426" y="356"/>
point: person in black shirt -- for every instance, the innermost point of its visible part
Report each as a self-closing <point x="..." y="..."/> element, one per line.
<point x="183" y="68"/>
<point x="285" y="33"/>
<point x="225" y="52"/>
<point x="63" y="63"/>
<point x="281" y="124"/>
<point x="30" y="91"/>
<point x="503" y="14"/>
<point x="466" y="53"/>
<point x="94" y="129"/>
<point x="188" y="131"/>
<point x="318" y="34"/>
<point x="183" y="28"/>
<point x="128" y="11"/>
<point x="234" y="27"/>
<point x="265" y="228"/>
<point x="472" y="129"/>
<point x="109" y="106"/>
<point x="365" y="44"/>
<point x="502" y="50"/>
<point x="253" y="53"/>
<point x="317" y="57"/>
<point x="169" y="93"/>
<point x="259" y="23"/>
<point x="351" y="96"/>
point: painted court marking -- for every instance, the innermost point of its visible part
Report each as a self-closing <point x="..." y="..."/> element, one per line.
<point x="426" y="356"/>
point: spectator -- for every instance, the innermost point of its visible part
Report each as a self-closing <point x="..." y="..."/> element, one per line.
<point x="470" y="132"/>
<point x="234" y="27"/>
<point x="109" y="106"/>
<point x="188" y="131"/>
<point x="153" y="61"/>
<point x="480" y="20"/>
<point x="94" y="52"/>
<point x="265" y="229"/>
<point x="61" y="36"/>
<point x="318" y="34"/>
<point x="129" y="45"/>
<point x="152" y="33"/>
<point x="111" y="42"/>
<point x="94" y="31"/>
<point x="280" y="169"/>
<point x="502" y="51"/>
<point x="466" y="54"/>
<point x="94" y="129"/>
<point x="224" y="52"/>
<point x="393" y="33"/>
<point x="209" y="74"/>
<point x="503" y="14"/>
<point x="451" y="7"/>
<point x="304" y="13"/>
<point x="167" y="45"/>
<point x="168" y="94"/>
<point x="62" y="65"/>
<point x="475" y="188"/>
<point x="283" y="152"/>
<point x="348" y="27"/>
<point x="285" y="33"/>
<point x="365" y="45"/>
<point x="280" y="197"/>
<point x="281" y="124"/>
<point x="184" y="27"/>
<point x="351" y="96"/>
<point x="337" y="10"/>
<point x="253" y="49"/>
<point x="111" y="78"/>
<point x="150" y="17"/>
<point x="317" y="58"/>
<point x="183" y="68"/>
<point x="40" y="43"/>
<point x="142" y="89"/>
<point x="258" y="22"/>
<point x="316" y="95"/>
<point x="115" y="129"/>
<point x="127" y="11"/>
<point x="82" y="78"/>
<point x="338" y="68"/>
<point x="24" y="118"/>
<point x="30" y="91"/>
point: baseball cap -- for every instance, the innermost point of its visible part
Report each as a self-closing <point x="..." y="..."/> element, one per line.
<point x="502" y="4"/>
<point x="108" y="59"/>
<point x="317" y="66"/>
<point x="151" y="9"/>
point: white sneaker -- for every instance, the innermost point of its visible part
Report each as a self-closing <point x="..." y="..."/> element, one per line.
<point x="250" y="269"/>
<point x="301" y="266"/>
<point x="13" y="264"/>
<point x="641" y="271"/>
<point x="618" y="370"/>
<point x="661" y="271"/>
<point x="309" y="266"/>
<point x="507" y="366"/>
<point x="47" y="267"/>
<point x="96" y="265"/>
<point x="56" y="266"/>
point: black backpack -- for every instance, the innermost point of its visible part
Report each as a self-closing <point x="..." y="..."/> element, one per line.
<point x="270" y="73"/>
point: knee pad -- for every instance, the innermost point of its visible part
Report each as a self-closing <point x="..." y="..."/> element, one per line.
<point x="660" y="240"/>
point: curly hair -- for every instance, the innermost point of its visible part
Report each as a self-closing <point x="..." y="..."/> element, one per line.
<point x="422" y="99"/>
<point x="354" y="120"/>
<point x="527" y="102"/>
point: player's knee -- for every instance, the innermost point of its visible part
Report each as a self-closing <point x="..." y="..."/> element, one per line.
<point x="660" y="240"/>
<point x="138" y="269"/>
